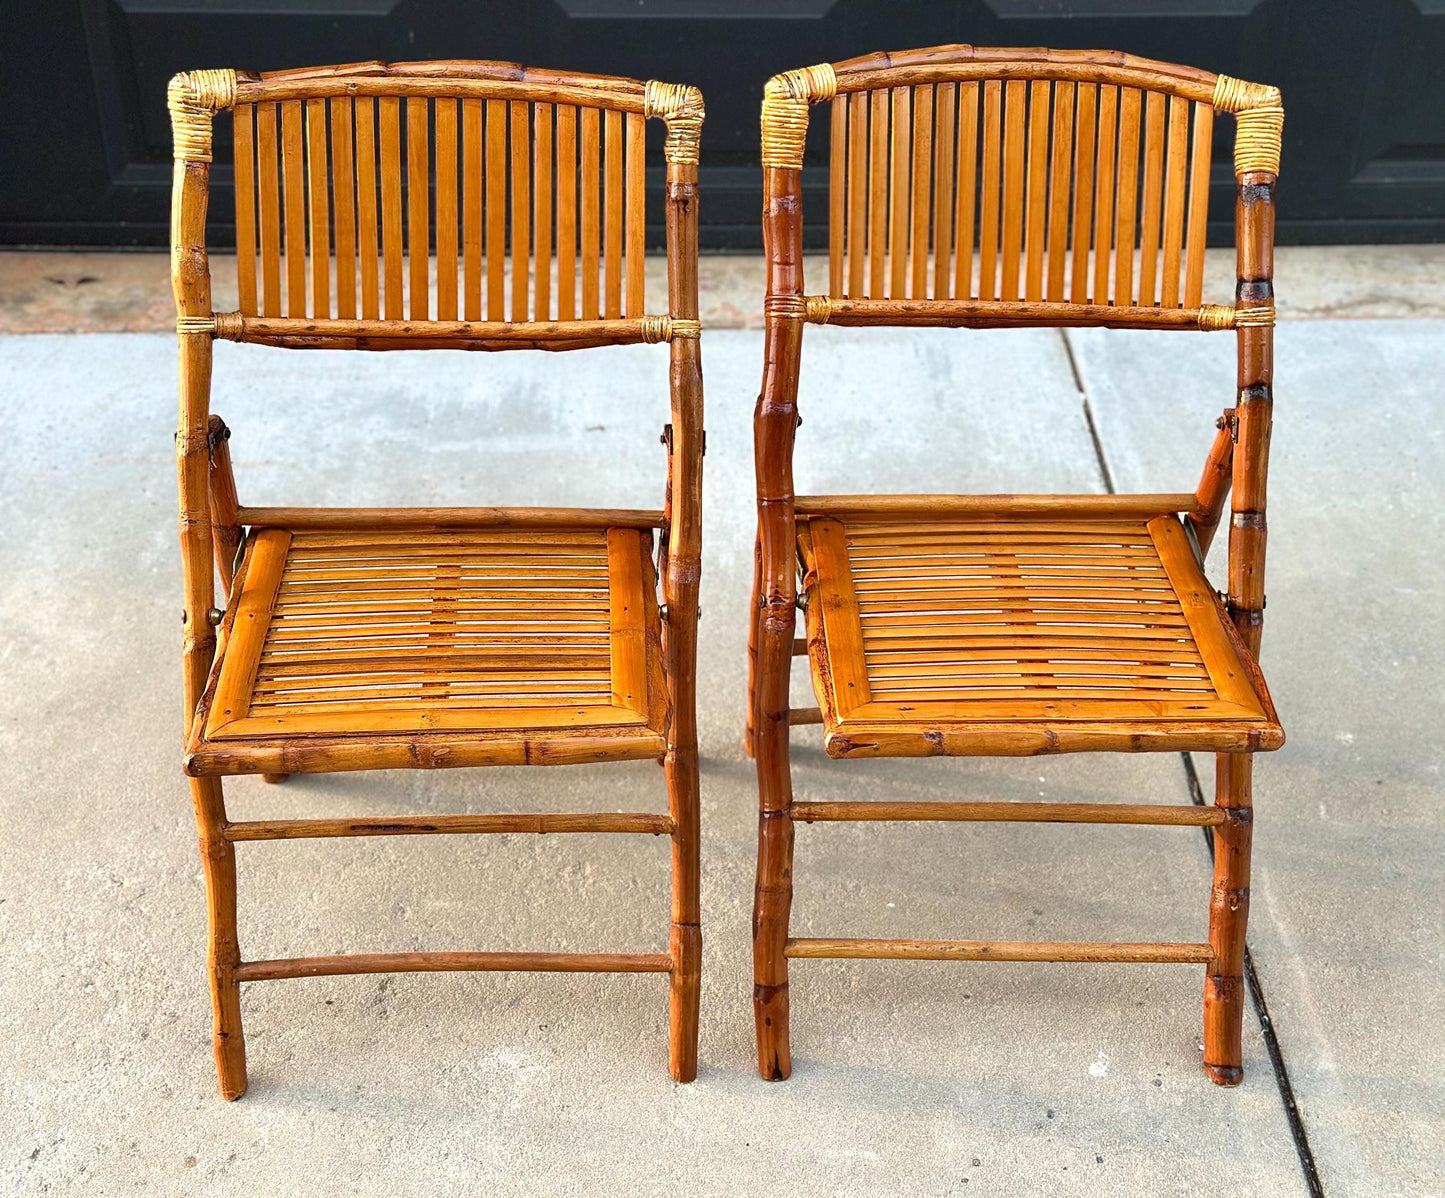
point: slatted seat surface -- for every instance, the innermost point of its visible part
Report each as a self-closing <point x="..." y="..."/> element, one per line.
<point x="361" y="633"/>
<point x="928" y="636"/>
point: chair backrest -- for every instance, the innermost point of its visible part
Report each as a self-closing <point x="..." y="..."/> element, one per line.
<point x="494" y="158"/>
<point x="996" y="187"/>
<point x="1018" y="186"/>
<point x="527" y="186"/>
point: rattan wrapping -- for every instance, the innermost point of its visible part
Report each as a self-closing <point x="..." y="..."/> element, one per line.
<point x="785" y="112"/>
<point x="680" y="105"/>
<point x="192" y="98"/>
<point x="1259" y="122"/>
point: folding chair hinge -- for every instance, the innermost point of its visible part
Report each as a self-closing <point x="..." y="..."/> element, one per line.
<point x="215" y="436"/>
<point x="1231" y="421"/>
<point x="666" y="439"/>
<point x="1234" y="608"/>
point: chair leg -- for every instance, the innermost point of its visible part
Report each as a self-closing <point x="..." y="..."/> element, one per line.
<point x="685" y="941"/>
<point x="773" y="897"/>
<point x="223" y="955"/>
<point x="1228" y="917"/>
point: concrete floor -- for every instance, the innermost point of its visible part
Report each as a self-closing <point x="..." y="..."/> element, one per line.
<point x="916" y="1078"/>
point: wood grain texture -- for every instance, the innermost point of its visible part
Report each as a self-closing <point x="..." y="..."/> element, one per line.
<point x="368" y="237"/>
<point x="293" y="177"/>
<point x="244" y="133"/>
<point x="445" y="146"/>
<point x="418" y="207"/>
<point x="343" y="195"/>
<point x="566" y="213"/>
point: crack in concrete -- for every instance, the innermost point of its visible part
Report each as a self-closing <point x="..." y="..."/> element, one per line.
<point x="1196" y="794"/>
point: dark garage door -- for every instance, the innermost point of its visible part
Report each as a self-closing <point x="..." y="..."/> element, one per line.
<point x="86" y="157"/>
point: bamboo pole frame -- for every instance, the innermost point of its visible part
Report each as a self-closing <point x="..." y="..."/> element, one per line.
<point x="212" y="520"/>
<point x="1237" y="461"/>
<point x="1096" y="951"/>
<point x="1256" y="162"/>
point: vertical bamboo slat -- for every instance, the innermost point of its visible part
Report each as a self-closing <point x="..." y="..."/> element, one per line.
<point x="418" y="197"/>
<point x="922" y="160"/>
<point x="270" y="204"/>
<point x="343" y="174"/>
<point x="368" y="243"/>
<point x="857" y="190"/>
<point x="837" y="192"/>
<point x="472" y="209"/>
<point x="988" y="223"/>
<point x="898" y="195"/>
<point x="963" y="233"/>
<point x="243" y="123"/>
<point x="1015" y="99"/>
<point x="521" y="143"/>
<point x="943" y="142"/>
<point x="318" y="188"/>
<point x="1085" y="122"/>
<point x="636" y="192"/>
<point x="542" y="212"/>
<point x="389" y="118"/>
<point x="293" y="176"/>
<point x="1149" y="220"/>
<point x="878" y="194"/>
<point x="1104" y="191"/>
<point x="566" y="212"/>
<point x="1126" y="229"/>
<point x="612" y="222"/>
<point x="1059" y="181"/>
<point x="591" y="201"/>
<point x="1198" y="204"/>
<point x="445" y="142"/>
<point x="496" y="209"/>
<point x="1036" y="205"/>
<point x="1174" y="182"/>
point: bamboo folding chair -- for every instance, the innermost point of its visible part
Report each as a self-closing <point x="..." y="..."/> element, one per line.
<point x="1001" y="188"/>
<point x="437" y="637"/>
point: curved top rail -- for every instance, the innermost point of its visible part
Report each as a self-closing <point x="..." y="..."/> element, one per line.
<point x="948" y="64"/>
<point x="786" y="97"/>
<point x="450" y="78"/>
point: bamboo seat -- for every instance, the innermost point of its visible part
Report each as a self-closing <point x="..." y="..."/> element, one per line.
<point x="1006" y="634"/>
<point x="455" y="205"/>
<point x="998" y="188"/>
<point x="456" y="646"/>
